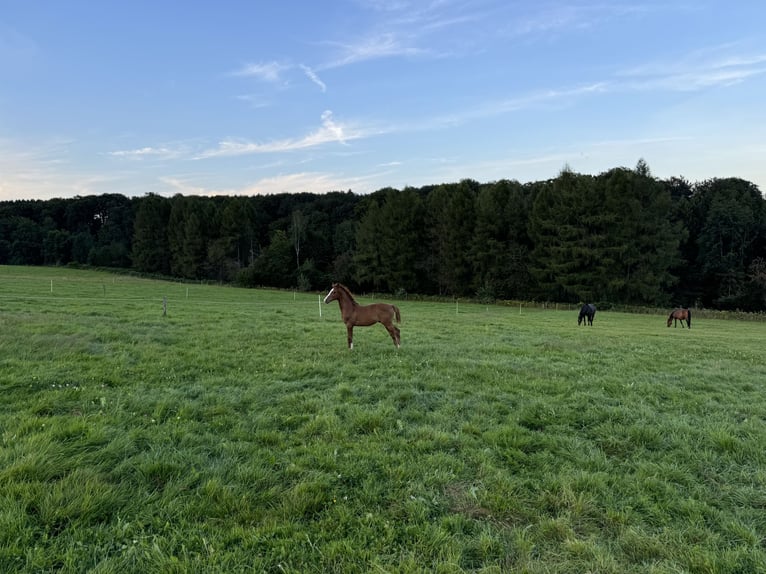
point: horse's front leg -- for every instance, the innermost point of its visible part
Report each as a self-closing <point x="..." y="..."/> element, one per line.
<point x="350" y="335"/>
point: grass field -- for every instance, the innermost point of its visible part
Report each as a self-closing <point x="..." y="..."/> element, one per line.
<point x="238" y="434"/>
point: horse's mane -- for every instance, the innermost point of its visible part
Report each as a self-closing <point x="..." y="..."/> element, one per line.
<point x="346" y="290"/>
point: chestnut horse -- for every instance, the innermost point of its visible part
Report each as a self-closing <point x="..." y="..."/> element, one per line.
<point x="354" y="314"/>
<point x="681" y="315"/>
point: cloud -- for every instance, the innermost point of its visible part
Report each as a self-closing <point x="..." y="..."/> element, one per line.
<point x="313" y="77"/>
<point x="696" y="71"/>
<point x="568" y="17"/>
<point x="312" y="182"/>
<point x="293" y="183"/>
<point x="495" y="108"/>
<point x="39" y="182"/>
<point x="267" y="72"/>
<point x="44" y="171"/>
<point x="329" y="132"/>
<point x="146" y="152"/>
<point x="371" y="48"/>
<point x="254" y="100"/>
<point x="180" y="186"/>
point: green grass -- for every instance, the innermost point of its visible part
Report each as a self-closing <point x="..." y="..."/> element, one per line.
<point x="238" y="434"/>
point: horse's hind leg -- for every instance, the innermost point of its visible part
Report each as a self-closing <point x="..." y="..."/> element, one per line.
<point x="350" y="336"/>
<point x="393" y="330"/>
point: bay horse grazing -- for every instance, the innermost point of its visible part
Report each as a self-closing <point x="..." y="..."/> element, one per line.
<point x="354" y="314"/>
<point x="680" y="315"/>
<point x="587" y="312"/>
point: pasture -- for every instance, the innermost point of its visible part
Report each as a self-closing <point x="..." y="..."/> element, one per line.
<point x="239" y="434"/>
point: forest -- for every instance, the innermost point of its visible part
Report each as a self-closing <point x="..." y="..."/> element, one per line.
<point x="619" y="237"/>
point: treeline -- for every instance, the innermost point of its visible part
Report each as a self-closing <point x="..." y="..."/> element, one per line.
<point x="622" y="236"/>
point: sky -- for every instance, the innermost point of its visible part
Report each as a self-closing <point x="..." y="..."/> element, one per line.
<point x="261" y="97"/>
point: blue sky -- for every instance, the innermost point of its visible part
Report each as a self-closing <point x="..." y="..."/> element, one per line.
<point x="242" y="98"/>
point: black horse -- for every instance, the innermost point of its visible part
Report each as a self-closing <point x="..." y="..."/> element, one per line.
<point x="586" y="315"/>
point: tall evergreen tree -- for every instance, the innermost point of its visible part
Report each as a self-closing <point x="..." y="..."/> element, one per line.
<point x="274" y="266"/>
<point x="644" y="238"/>
<point x="450" y="219"/>
<point x="188" y="235"/>
<point x="401" y="240"/>
<point x="238" y="230"/>
<point x="565" y="231"/>
<point x="344" y="249"/>
<point x="57" y="247"/>
<point x="297" y="234"/>
<point x="26" y="244"/>
<point x="150" y="236"/>
<point x="368" y="255"/>
<point x="499" y="249"/>
<point x="114" y="236"/>
<point x="732" y="235"/>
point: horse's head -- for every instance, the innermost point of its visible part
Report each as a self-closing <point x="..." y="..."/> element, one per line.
<point x="670" y="320"/>
<point x="333" y="295"/>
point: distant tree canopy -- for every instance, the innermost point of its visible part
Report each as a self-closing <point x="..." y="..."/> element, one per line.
<point x="622" y="236"/>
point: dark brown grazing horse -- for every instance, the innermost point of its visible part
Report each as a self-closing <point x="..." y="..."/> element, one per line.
<point x="680" y="315"/>
<point x="354" y="314"/>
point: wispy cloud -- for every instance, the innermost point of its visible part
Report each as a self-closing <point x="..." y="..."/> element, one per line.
<point x="254" y="100"/>
<point x="329" y="132"/>
<point x="311" y="74"/>
<point x="370" y="48"/>
<point x="313" y="182"/>
<point x="42" y="171"/>
<point x="699" y="70"/>
<point x="407" y="29"/>
<point x="299" y="182"/>
<point x="146" y="152"/>
<point x="178" y="185"/>
<point x="568" y="17"/>
<point x="265" y="71"/>
<point x="489" y="109"/>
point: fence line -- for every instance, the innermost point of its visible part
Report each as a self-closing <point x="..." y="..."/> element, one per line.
<point x="55" y="287"/>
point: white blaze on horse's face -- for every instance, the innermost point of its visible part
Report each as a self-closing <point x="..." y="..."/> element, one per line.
<point x="327" y="297"/>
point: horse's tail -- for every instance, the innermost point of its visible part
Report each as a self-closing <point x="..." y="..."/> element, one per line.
<point x="396" y="312"/>
<point x="689" y="318"/>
